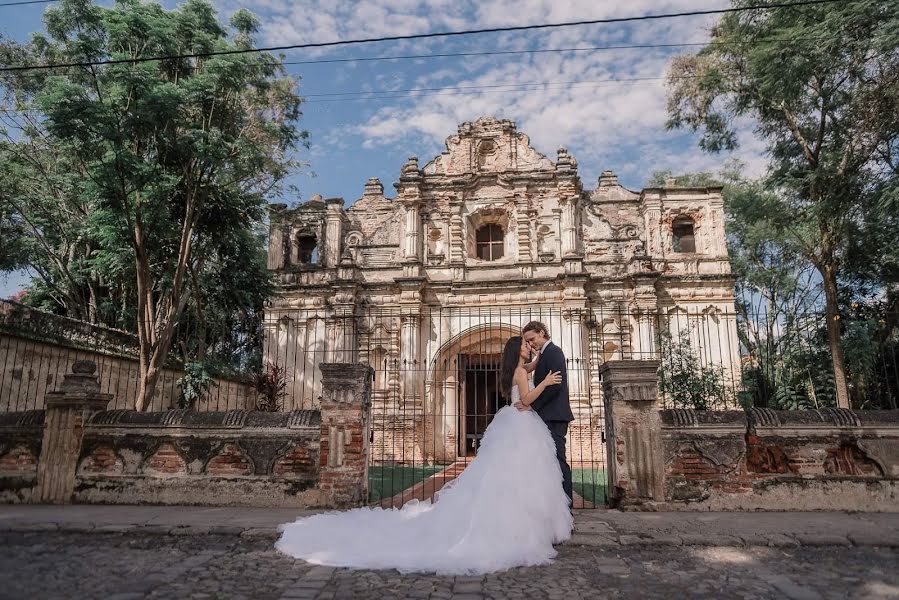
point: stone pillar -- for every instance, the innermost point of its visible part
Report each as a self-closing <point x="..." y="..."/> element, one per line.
<point x="573" y="345"/>
<point x="651" y="210"/>
<point x="67" y="411"/>
<point x="333" y="232"/>
<point x="409" y="196"/>
<point x="633" y="433"/>
<point x="345" y="431"/>
<point x="278" y="250"/>
<point x="410" y="364"/>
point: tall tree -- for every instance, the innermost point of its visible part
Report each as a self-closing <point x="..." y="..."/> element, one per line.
<point x="172" y="159"/>
<point x="821" y="84"/>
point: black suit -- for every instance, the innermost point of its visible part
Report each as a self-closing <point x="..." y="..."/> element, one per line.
<point x="554" y="407"/>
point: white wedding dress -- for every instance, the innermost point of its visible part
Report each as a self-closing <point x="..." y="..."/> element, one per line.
<point x="505" y="510"/>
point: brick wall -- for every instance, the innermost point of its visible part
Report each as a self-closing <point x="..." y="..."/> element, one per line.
<point x="233" y="458"/>
<point x="75" y="452"/>
<point x="20" y="450"/>
<point x="781" y="460"/>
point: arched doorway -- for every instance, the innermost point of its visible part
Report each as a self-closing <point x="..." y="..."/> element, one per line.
<point x="463" y="391"/>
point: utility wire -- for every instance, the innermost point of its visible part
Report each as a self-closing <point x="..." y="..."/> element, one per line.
<point x="511" y="52"/>
<point x="23" y="2"/>
<point x="447" y="91"/>
<point x="417" y="36"/>
<point x="490" y="86"/>
<point x="546" y="50"/>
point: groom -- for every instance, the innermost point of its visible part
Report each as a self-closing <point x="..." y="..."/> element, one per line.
<point x="552" y="405"/>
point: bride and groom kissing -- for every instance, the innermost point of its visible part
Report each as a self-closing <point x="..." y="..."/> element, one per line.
<point x="506" y="509"/>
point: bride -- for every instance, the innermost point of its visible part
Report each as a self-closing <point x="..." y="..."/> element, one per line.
<point x="505" y="510"/>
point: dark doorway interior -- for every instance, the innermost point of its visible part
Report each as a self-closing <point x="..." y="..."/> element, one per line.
<point x="481" y="398"/>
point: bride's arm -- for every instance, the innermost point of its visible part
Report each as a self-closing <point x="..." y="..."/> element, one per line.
<point x="521" y="380"/>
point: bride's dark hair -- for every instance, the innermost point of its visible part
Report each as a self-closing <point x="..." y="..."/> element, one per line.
<point x="508" y="364"/>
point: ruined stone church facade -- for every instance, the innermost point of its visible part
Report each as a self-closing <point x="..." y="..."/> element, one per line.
<point x="427" y="285"/>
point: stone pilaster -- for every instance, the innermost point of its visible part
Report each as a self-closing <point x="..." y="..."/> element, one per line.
<point x="67" y="411"/>
<point x="278" y="239"/>
<point x="409" y="196"/>
<point x="651" y="211"/>
<point x="345" y="431"/>
<point x="333" y="232"/>
<point x="633" y="433"/>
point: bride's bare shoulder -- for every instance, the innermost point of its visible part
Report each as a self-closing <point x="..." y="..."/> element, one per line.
<point x="520" y="372"/>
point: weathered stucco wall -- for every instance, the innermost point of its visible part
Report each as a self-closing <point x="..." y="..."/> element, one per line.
<point x="826" y="459"/>
<point x="234" y="458"/>
<point x="76" y="452"/>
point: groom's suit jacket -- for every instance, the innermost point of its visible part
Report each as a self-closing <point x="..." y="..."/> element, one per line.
<point x="553" y="403"/>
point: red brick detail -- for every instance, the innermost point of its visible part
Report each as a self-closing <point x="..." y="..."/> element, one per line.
<point x="102" y="460"/>
<point x="18" y="460"/>
<point x="166" y="460"/>
<point x="761" y="458"/>
<point x="849" y="459"/>
<point x="693" y="465"/>
<point x="300" y="460"/>
<point x="230" y="461"/>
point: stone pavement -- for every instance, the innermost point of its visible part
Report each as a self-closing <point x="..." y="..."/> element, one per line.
<point x="132" y="565"/>
<point x="131" y="552"/>
<point x="594" y="528"/>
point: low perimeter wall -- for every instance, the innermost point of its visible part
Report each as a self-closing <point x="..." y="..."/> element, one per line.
<point x="781" y="460"/>
<point x="760" y="459"/>
<point x="74" y="451"/>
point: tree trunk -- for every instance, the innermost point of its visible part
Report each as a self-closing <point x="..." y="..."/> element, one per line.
<point x="829" y="277"/>
<point x="156" y="336"/>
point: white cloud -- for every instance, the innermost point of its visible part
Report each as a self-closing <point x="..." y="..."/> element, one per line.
<point x="614" y="125"/>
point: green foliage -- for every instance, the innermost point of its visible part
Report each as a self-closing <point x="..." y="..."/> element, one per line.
<point x="194" y="385"/>
<point x="271" y="385"/>
<point x="143" y="186"/>
<point x="684" y="380"/>
<point x="825" y="101"/>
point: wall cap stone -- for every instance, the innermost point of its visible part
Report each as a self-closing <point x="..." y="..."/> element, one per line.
<point x="28" y="418"/>
<point x="189" y="419"/>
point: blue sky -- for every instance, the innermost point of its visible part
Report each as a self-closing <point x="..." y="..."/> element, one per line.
<point x="561" y="98"/>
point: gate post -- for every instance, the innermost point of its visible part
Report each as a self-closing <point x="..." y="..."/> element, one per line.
<point x="68" y="409"/>
<point x="345" y="431"/>
<point x="633" y="433"/>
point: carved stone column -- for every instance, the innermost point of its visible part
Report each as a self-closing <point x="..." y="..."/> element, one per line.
<point x="345" y="431"/>
<point x="633" y="433"/>
<point x="457" y="239"/>
<point x="644" y="314"/>
<point x="333" y="232"/>
<point x="569" y="189"/>
<point x="409" y="196"/>
<point x="410" y="363"/>
<point x="279" y="238"/>
<point x="67" y="411"/>
<point x="651" y="211"/>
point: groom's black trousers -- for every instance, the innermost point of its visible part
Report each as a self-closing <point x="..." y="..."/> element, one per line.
<point x="559" y="429"/>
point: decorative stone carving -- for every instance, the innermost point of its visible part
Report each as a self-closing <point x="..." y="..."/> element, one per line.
<point x="415" y="253"/>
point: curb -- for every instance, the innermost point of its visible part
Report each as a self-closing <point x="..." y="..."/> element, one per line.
<point x="169" y="530"/>
<point x="608" y="539"/>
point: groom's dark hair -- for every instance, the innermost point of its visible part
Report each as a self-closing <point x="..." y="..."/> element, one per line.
<point x="536" y="327"/>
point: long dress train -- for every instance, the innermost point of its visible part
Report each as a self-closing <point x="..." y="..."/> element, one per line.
<point x="506" y="509"/>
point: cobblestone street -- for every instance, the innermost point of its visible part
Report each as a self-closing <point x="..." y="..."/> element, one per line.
<point x="119" y="566"/>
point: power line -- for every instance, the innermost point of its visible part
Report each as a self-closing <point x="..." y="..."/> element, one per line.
<point x="532" y="51"/>
<point x="2" y="4"/>
<point x="417" y="36"/>
<point x="446" y="91"/>
<point x="547" y="50"/>
<point x="492" y="86"/>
